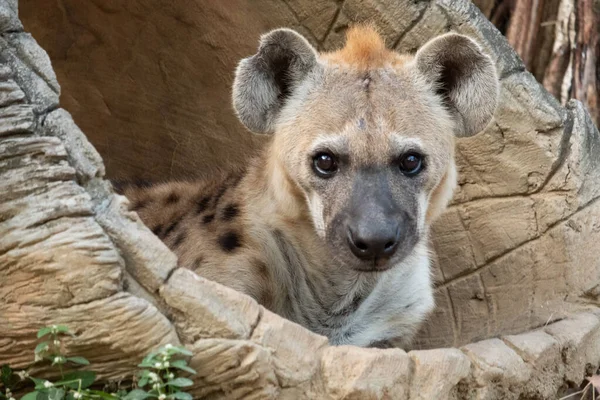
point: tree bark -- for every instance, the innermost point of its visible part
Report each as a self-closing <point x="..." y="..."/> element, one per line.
<point x="558" y="41"/>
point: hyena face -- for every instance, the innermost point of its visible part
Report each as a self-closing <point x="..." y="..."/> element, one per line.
<point x="366" y="135"/>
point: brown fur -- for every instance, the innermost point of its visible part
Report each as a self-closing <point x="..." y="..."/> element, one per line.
<point x="364" y="49"/>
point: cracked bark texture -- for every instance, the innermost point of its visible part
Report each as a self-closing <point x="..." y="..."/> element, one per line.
<point x="559" y="40"/>
<point x="516" y="251"/>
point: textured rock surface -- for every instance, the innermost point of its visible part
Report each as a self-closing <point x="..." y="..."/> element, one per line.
<point x="516" y="251"/>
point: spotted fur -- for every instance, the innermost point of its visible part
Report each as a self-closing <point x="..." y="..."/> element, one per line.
<point x="280" y="233"/>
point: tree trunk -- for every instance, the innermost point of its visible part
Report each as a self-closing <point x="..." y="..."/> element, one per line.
<point x="559" y="42"/>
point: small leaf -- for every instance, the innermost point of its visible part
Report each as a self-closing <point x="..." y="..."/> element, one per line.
<point x="184" y="351"/>
<point x="180" y="382"/>
<point x="87" y="379"/>
<point x="42" y="395"/>
<point x="143" y="382"/>
<point x="44" y="331"/>
<point x="6" y="371"/>
<point x="30" y="396"/>
<point x="149" y="359"/>
<point x="40" y="348"/>
<point x="182" y="396"/>
<point x="8" y="377"/>
<point x="56" y="394"/>
<point x="62" y="329"/>
<point x="78" y="360"/>
<point x="182" y="365"/>
<point x="137" y="394"/>
<point x="39" y="383"/>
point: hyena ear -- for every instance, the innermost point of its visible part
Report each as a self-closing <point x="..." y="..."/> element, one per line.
<point x="264" y="81"/>
<point x="464" y="76"/>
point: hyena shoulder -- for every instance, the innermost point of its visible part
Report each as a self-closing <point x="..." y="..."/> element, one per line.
<point x="205" y="222"/>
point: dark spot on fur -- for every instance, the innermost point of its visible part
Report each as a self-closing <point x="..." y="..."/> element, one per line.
<point x="198" y="262"/>
<point x="265" y="298"/>
<point x="235" y="180"/>
<point x="157" y="230"/>
<point x="179" y="239"/>
<point x="202" y="204"/>
<point x="208" y="218"/>
<point x="172" y="198"/>
<point x="262" y="270"/>
<point x="119" y="185"/>
<point x="171" y="228"/>
<point x="230" y="212"/>
<point x="219" y="194"/>
<point x="139" y="204"/>
<point x="142" y="183"/>
<point x="229" y="241"/>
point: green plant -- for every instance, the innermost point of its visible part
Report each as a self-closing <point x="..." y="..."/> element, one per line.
<point x="158" y="380"/>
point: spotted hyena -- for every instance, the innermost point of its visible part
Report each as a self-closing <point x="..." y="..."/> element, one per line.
<point x="328" y="225"/>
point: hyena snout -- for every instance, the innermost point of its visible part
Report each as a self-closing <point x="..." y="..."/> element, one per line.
<point x="378" y="235"/>
<point x="377" y="228"/>
<point x="368" y="241"/>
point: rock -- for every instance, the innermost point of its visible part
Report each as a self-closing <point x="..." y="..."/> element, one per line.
<point x="82" y="154"/>
<point x="352" y="373"/>
<point x="205" y="309"/>
<point x="20" y="52"/>
<point x="499" y="372"/>
<point x="437" y="373"/>
<point x="294" y="366"/>
<point x="542" y="351"/>
<point x="9" y="19"/>
<point x="233" y="369"/>
<point x="578" y="338"/>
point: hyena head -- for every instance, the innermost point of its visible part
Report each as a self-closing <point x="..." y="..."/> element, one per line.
<point x="366" y="135"/>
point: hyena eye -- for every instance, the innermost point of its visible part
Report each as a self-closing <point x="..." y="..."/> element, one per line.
<point x="325" y="164"/>
<point x="411" y="164"/>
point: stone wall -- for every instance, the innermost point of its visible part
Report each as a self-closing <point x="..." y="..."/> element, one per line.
<point x="516" y="251"/>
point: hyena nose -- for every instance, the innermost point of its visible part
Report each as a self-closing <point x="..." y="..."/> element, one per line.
<point x="380" y="242"/>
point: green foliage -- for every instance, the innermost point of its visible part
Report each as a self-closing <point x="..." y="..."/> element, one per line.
<point x="157" y="380"/>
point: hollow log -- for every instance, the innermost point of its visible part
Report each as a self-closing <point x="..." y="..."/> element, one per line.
<point x="517" y="272"/>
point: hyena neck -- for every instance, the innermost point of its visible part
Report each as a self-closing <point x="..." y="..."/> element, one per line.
<point x="316" y="290"/>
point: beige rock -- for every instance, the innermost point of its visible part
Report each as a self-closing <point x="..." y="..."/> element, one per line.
<point x="204" y="309"/>
<point x="352" y="373"/>
<point x="437" y="373"/>
<point x="578" y="338"/>
<point x="499" y="372"/>
<point x="439" y="328"/>
<point x="295" y="367"/>
<point x="470" y="309"/>
<point x="233" y="369"/>
<point x="542" y="351"/>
